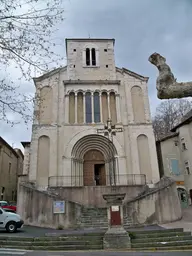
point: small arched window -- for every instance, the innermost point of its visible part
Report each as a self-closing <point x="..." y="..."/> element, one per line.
<point x="88" y="107"/>
<point x="93" y="56"/>
<point x="88" y="57"/>
<point x="96" y="108"/>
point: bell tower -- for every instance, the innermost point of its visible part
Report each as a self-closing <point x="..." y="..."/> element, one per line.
<point x="90" y="59"/>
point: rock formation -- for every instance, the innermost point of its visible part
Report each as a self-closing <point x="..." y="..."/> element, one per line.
<point x="166" y="84"/>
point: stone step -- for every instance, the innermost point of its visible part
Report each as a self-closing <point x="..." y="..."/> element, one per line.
<point x="154" y="235"/>
<point x="161" y="239"/>
<point x="151" y="231"/>
<point x="166" y="248"/>
<point x="93" y="220"/>
<point x="52" y="243"/>
<point x="161" y="244"/>
<point x="57" y="248"/>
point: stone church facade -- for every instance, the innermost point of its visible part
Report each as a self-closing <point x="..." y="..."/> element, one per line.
<point x="75" y="101"/>
<point x="72" y="158"/>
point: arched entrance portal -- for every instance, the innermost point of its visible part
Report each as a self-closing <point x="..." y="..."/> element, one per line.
<point x="94" y="161"/>
<point x="94" y="169"/>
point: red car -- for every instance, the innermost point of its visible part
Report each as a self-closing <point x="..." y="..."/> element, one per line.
<point x="6" y="205"/>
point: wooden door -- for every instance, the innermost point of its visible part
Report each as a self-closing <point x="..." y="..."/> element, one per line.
<point x="115" y="216"/>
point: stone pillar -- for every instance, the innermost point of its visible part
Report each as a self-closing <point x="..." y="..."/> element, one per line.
<point x="75" y="108"/>
<point x="116" y="236"/>
<point x="81" y="173"/>
<point x="67" y="108"/>
<point x="84" y="109"/>
<point x="92" y="106"/>
<point x="101" y="109"/>
<point x="118" y="111"/>
<point x="108" y="102"/>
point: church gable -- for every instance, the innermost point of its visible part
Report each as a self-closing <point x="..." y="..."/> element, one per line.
<point x="130" y="74"/>
<point x="49" y="75"/>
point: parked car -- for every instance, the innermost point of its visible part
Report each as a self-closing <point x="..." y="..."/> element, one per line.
<point x="10" y="221"/>
<point x="5" y="204"/>
<point x="8" y="210"/>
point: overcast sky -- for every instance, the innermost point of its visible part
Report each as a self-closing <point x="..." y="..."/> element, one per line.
<point x="140" y="27"/>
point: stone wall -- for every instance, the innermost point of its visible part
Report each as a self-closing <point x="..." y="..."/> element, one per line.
<point x="158" y="205"/>
<point x="36" y="209"/>
<point x="92" y="196"/>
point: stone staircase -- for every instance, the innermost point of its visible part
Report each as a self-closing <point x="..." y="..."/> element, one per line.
<point x="149" y="240"/>
<point x="64" y="242"/>
<point x="167" y="239"/>
<point x="97" y="218"/>
<point x="93" y="218"/>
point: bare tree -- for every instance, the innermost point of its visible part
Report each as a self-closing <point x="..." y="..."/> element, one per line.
<point x="168" y="114"/>
<point x="26" y="27"/>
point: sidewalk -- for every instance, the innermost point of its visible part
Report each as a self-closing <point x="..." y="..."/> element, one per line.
<point x="185" y="222"/>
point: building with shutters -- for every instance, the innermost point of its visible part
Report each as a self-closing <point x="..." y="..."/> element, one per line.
<point x="174" y="157"/>
<point x="11" y="165"/>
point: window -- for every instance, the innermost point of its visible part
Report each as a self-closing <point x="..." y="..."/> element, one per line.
<point x="106" y="66"/>
<point x="74" y="66"/>
<point x="96" y="108"/>
<point x="183" y="144"/>
<point x="93" y="55"/>
<point x="90" y="57"/>
<point x="187" y="168"/>
<point x="88" y="107"/>
<point x="13" y="195"/>
<point x="105" y="50"/>
<point x="9" y="168"/>
<point x="87" y="56"/>
<point x="175" y="167"/>
<point x="3" y="204"/>
<point x="74" y="50"/>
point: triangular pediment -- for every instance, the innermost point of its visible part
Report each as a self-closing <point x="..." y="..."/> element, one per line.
<point x="133" y="74"/>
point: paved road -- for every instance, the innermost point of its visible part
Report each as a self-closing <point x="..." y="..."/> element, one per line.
<point x="95" y="253"/>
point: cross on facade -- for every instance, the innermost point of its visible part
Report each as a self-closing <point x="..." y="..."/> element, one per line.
<point x="110" y="131"/>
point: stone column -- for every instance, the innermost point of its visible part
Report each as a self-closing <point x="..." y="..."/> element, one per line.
<point x="118" y="111"/>
<point x="108" y="103"/>
<point x="101" y="109"/>
<point x="92" y="106"/>
<point x="81" y="173"/>
<point x="84" y="108"/>
<point x="76" y="108"/>
<point x="116" y="236"/>
<point x="67" y="108"/>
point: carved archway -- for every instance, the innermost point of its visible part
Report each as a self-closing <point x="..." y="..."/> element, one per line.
<point x="92" y="155"/>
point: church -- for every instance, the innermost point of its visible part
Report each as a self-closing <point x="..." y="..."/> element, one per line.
<point x="92" y="134"/>
<point x="73" y="105"/>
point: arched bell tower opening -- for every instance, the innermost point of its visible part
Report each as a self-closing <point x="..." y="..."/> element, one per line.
<point x="94" y="161"/>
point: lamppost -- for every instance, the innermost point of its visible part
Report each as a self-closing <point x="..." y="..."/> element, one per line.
<point x="110" y="131"/>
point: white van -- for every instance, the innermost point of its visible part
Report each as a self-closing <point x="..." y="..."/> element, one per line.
<point x="10" y="221"/>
